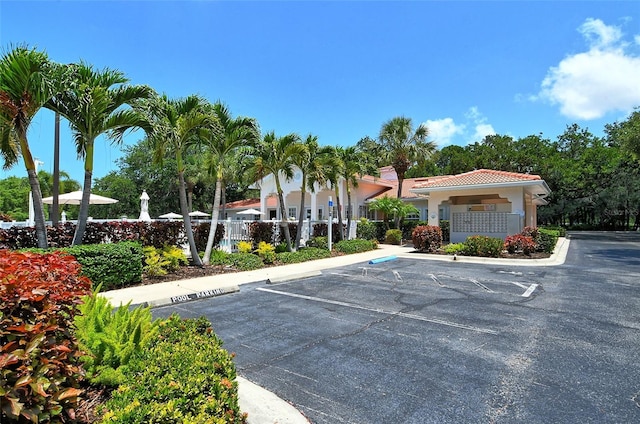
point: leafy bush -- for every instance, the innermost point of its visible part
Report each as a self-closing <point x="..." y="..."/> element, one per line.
<point x="155" y="264"/>
<point x="261" y="231"/>
<point x="111" y="265"/>
<point x="393" y="237"/>
<point x="220" y="257"/>
<point x="483" y="246"/>
<point x="281" y="247"/>
<point x="245" y="247"/>
<point x="520" y="243"/>
<point x="320" y="242"/>
<point x="39" y="368"/>
<point x="293" y="229"/>
<point x="244" y="261"/>
<point x="530" y="232"/>
<point x="320" y="230"/>
<point x="355" y="246"/>
<point x="427" y="238"/>
<point x="562" y="232"/>
<point x="267" y="252"/>
<point x="445" y="226"/>
<point x="201" y="235"/>
<point x="302" y="255"/>
<point x="184" y="376"/>
<point x="175" y="256"/>
<point x="454" y="249"/>
<point x="546" y="240"/>
<point x="408" y="226"/>
<point x="110" y="338"/>
<point x="366" y="229"/>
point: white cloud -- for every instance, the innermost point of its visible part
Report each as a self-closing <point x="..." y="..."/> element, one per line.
<point x="479" y="121"/>
<point x="443" y="130"/>
<point x="604" y="79"/>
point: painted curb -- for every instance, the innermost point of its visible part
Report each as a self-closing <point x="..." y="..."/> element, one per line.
<point x="202" y="294"/>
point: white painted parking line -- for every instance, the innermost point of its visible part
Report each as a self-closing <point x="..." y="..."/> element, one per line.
<point x="530" y="290"/>
<point x="522" y="286"/>
<point x="381" y="311"/>
<point x="482" y="286"/>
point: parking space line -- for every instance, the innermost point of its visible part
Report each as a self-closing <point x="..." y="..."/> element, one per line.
<point x="381" y="311"/>
<point x="530" y="290"/>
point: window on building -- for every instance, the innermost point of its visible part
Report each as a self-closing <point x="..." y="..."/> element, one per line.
<point x="293" y="212"/>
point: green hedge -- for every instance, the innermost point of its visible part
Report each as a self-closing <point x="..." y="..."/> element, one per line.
<point x="302" y="255"/>
<point x="112" y="265"/>
<point x="355" y="246"/>
<point x="483" y="246"/>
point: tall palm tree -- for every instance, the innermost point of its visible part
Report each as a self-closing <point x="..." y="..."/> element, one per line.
<point x="310" y="162"/>
<point x="94" y="104"/>
<point x="175" y="125"/>
<point x="274" y="155"/>
<point x="27" y="83"/>
<point x="333" y="165"/>
<point x="352" y="165"/>
<point x="403" y="147"/>
<point x="235" y="134"/>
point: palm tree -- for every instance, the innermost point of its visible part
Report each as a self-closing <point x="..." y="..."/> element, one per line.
<point x="333" y="165"/>
<point x="94" y="104"/>
<point x="27" y="83"/>
<point x="175" y="125"/>
<point x="404" y="147"/>
<point x="310" y="162"/>
<point x="392" y="207"/>
<point x="274" y="155"/>
<point x="352" y="165"/>
<point x="235" y="134"/>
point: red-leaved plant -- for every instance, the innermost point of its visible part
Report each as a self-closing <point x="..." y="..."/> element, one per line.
<point x="39" y="355"/>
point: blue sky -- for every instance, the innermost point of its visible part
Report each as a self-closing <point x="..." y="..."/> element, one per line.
<point x="339" y="70"/>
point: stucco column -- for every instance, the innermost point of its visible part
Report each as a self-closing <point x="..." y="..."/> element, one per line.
<point x="314" y="208"/>
<point x="433" y="206"/>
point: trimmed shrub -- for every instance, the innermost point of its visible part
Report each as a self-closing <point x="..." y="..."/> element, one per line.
<point x="39" y="369"/>
<point x="366" y="229"/>
<point x="483" y="246"/>
<point x="454" y="249"/>
<point x="184" y="376"/>
<point x="393" y="237"/>
<point x="546" y="240"/>
<point x="427" y="238"/>
<point x="244" y="261"/>
<point x="320" y="230"/>
<point x="321" y="242"/>
<point x="302" y="255"/>
<point x="111" y="337"/>
<point x="408" y="226"/>
<point x="355" y="246"/>
<point x="562" y="232"/>
<point x="520" y="243"/>
<point x="293" y="230"/>
<point x="110" y="265"/>
<point x="220" y="257"/>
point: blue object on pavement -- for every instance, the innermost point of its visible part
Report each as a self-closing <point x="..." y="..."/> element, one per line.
<point x="385" y="259"/>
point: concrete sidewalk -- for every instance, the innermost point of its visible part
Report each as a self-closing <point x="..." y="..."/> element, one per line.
<point x="262" y="406"/>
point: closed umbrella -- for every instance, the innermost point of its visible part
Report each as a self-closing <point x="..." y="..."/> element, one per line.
<point x="144" y="207"/>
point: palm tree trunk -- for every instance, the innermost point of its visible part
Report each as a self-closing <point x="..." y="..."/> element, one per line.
<point x="303" y="192"/>
<point x="55" y="208"/>
<point x="284" y="224"/>
<point x="340" y="233"/>
<point x="187" y="221"/>
<point x="396" y="218"/>
<point x="38" y="209"/>
<point x="349" y="211"/>
<point x="214" y="222"/>
<point x="83" y="214"/>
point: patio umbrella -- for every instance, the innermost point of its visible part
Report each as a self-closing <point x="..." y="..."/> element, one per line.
<point x="75" y="198"/>
<point x="170" y="215"/>
<point x="198" y="214"/>
<point x="144" y="207"/>
<point x="250" y="212"/>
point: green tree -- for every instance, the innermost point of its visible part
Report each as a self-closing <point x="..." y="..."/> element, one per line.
<point x="221" y="147"/>
<point x="626" y="133"/>
<point x="310" y="162"/>
<point x="275" y="156"/>
<point x="404" y="147"/>
<point x="175" y="125"/>
<point x="93" y="103"/>
<point x="392" y="207"/>
<point x="351" y="166"/>
<point x="27" y="83"/>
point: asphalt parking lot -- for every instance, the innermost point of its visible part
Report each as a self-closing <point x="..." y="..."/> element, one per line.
<point x="418" y="341"/>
